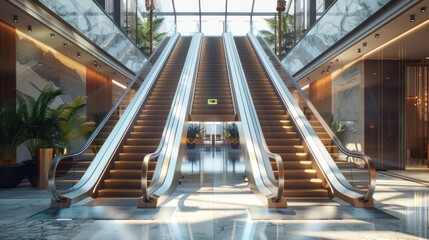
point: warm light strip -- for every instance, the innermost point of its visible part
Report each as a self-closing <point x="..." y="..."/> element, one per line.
<point x="305" y="87"/>
<point x="64" y="59"/>
<point x="346" y="66"/>
<point x="119" y="84"/>
<point x="396" y="38"/>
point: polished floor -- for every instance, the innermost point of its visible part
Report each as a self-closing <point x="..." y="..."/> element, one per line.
<point x="213" y="202"/>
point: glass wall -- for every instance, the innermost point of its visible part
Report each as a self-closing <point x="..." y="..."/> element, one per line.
<point x="380" y="96"/>
<point x="38" y="65"/>
<point x="416" y="114"/>
<point x="340" y="19"/>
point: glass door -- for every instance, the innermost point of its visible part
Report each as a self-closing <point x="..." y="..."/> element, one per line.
<point x="416" y="118"/>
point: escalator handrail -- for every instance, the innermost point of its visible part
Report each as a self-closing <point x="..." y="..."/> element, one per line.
<point x="55" y="162"/>
<point x="276" y="189"/>
<point x="323" y="159"/>
<point x="369" y="163"/>
<point x="181" y="103"/>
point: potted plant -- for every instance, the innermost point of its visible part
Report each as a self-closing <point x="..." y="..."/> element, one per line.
<point x="12" y="134"/>
<point x="194" y="130"/>
<point x="72" y="125"/>
<point x="41" y="121"/>
<point x="51" y="130"/>
<point x="231" y="135"/>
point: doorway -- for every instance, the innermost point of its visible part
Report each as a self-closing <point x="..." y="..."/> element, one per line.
<point x="416" y="116"/>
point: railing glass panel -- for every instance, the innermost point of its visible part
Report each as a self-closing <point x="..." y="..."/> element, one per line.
<point x="91" y="21"/>
<point x="339" y="20"/>
<point x="67" y="170"/>
<point x="357" y="168"/>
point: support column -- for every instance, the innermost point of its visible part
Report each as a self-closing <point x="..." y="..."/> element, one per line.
<point x="99" y="93"/>
<point x="281" y="7"/>
<point x="7" y="62"/>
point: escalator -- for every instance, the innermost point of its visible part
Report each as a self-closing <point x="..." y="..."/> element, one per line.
<point x="109" y="167"/>
<point x="301" y="178"/>
<point x="351" y="169"/>
<point x="212" y="98"/>
<point x="124" y="177"/>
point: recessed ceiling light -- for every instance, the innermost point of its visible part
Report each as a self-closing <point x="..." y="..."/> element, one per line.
<point x="423" y="9"/>
<point x="29" y="28"/>
<point x="78" y="54"/>
<point x="412" y="18"/>
<point x="15" y="19"/>
<point x="65" y="45"/>
<point x="52" y="35"/>
<point x="377" y="35"/>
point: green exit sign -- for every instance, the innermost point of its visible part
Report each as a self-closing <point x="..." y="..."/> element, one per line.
<point x="212" y="101"/>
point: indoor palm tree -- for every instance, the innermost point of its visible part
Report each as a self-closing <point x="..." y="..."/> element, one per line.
<point x="39" y="119"/>
<point x="72" y="124"/>
<point x="12" y="132"/>
<point x="287" y="33"/>
<point x="143" y="31"/>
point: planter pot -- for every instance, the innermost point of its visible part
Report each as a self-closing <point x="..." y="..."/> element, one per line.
<point x="30" y="171"/>
<point x="12" y="175"/>
<point x="191" y="145"/>
<point x="44" y="159"/>
<point x="235" y="145"/>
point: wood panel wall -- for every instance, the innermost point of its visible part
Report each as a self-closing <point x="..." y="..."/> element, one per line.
<point x="7" y="62"/>
<point x="99" y="93"/>
<point x="320" y="94"/>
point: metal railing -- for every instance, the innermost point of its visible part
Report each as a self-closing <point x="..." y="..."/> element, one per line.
<point x="350" y="155"/>
<point x="175" y="128"/>
<point x="317" y="148"/>
<point x="85" y="177"/>
<point x="253" y="137"/>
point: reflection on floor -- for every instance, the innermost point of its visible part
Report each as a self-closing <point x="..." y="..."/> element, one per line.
<point x="212" y="203"/>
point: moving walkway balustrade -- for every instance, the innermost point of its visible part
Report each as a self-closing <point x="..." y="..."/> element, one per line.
<point x="306" y="169"/>
<point x="114" y="168"/>
<point x="354" y="166"/>
<point x="124" y="177"/>
<point x="301" y="179"/>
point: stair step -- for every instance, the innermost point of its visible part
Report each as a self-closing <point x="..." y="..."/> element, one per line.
<point x="132" y="156"/>
<point x="132" y="165"/>
<point x="298" y="173"/>
<point x="122" y="183"/>
<point x="126" y="173"/>
<point x="312" y="183"/>
<point x="286" y="148"/>
<point x="295" y="165"/>
<point x="306" y="193"/>
<point x="119" y="192"/>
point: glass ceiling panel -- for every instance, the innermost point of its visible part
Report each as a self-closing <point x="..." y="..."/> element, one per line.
<point x="213" y="5"/>
<point x="240" y="5"/>
<point x="187" y="6"/>
<point x="164" y="6"/>
<point x="265" y="6"/>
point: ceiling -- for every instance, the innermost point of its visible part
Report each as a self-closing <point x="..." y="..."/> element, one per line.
<point x="399" y="39"/>
<point x="48" y="37"/>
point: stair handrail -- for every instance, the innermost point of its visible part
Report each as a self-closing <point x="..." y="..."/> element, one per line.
<point x="57" y="159"/>
<point x="180" y="106"/>
<point x="367" y="159"/>
<point x="237" y="75"/>
<point x="318" y="150"/>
